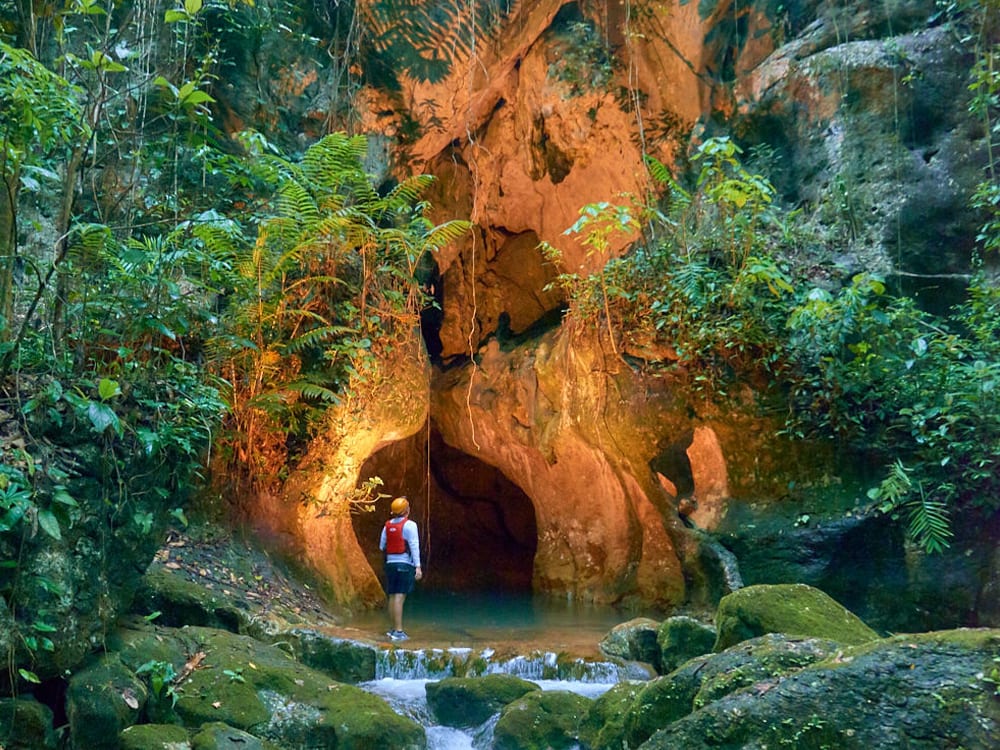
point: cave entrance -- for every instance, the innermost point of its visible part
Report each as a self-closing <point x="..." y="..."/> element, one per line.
<point x="477" y="528"/>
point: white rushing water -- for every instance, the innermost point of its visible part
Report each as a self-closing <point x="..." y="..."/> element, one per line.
<point x="409" y="698"/>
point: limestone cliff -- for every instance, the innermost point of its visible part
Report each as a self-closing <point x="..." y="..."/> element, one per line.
<point x="528" y="111"/>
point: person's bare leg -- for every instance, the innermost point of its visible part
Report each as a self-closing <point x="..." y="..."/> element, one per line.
<point x="396" y="610"/>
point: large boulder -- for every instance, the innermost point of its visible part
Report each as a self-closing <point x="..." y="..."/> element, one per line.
<point x="469" y="701"/>
<point x="156" y="737"/>
<point x="103" y="699"/>
<point x="603" y="726"/>
<point x="541" y="720"/>
<point x="216" y="676"/>
<point x="922" y="692"/>
<point x="794" y="609"/>
<point x="667" y="699"/>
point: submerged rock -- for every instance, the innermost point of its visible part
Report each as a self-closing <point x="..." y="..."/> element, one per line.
<point x="793" y="609"/>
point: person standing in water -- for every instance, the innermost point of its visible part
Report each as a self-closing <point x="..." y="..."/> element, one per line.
<point x="401" y="545"/>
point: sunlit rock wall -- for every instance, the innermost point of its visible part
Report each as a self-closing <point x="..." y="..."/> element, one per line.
<point x="859" y="116"/>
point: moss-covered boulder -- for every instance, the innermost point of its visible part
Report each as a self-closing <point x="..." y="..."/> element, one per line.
<point x="541" y="720"/>
<point x="759" y="661"/>
<point x="262" y="690"/>
<point x="343" y="660"/>
<point x="219" y="736"/>
<point x="102" y="699"/>
<point x="681" y="638"/>
<point x="183" y="602"/>
<point x="25" y="724"/>
<point x="469" y="701"/>
<point x="793" y="609"/>
<point x="155" y="737"/>
<point x="634" y="640"/>
<point x="921" y="692"/>
<point x="604" y="724"/>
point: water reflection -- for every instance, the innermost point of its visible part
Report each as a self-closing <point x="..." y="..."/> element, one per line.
<point x="484" y="619"/>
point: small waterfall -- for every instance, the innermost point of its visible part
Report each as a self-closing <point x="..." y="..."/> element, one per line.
<point x="436" y="664"/>
<point x="402" y="676"/>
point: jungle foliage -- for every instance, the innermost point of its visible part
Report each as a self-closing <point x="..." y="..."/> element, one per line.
<point x="165" y="287"/>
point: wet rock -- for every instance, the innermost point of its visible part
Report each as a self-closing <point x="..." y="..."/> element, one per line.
<point x="541" y="720"/>
<point x="635" y="640"/>
<point x="26" y="724"/>
<point x="469" y="701"/>
<point x="703" y="678"/>
<point x="102" y="699"/>
<point x="681" y="638"/>
<point x="924" y="692"/>
<point x="604" y="724"/>
<point x="342" y="659"/>
<point x="794" y="609"/>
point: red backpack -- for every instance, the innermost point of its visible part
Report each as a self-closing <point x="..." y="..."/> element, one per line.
<point x="395" y="544"/>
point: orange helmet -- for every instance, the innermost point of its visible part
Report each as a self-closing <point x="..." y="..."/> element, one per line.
<point x="400" y="506"/>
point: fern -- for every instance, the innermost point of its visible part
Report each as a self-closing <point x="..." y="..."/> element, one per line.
<point x="929" y="524"/>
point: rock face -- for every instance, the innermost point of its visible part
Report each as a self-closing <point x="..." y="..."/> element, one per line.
<point x="537" y="109"/>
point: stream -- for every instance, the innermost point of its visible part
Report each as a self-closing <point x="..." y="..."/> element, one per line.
<point x="550" y="642"/>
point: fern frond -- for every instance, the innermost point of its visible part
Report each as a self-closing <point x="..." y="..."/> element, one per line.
<point x="315" y="337"/>
<point x="314" y="391"/>
<point x="929" y="523"/>
<point x="446" y="233"/>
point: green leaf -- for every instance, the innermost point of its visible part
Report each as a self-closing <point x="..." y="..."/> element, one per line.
<point x="192" y="7"/>
<point x="108" y="389"/>
<point x="102" y="417"/>
<point x="173" y="16"/>
<point x="49" y="524"/>
<point x="29" y="676"/>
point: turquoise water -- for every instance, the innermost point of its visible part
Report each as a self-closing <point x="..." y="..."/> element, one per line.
<point x="517" y="621"/>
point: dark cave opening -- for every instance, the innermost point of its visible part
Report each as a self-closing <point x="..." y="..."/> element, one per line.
<point x="477" y="528"/>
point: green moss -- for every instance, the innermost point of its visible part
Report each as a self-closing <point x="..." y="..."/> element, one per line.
<point x="25" y="724"/>
<point x="155" y="737"/>
<point x="219" y="736"/>
<point x="468" y="701"/>
<point x="793" y="609"/>
<point x="101" y="700"/>
<point x="541" y="720"/>
<point x="604" y="724"/>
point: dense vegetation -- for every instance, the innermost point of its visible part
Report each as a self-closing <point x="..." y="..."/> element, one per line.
<point x="165" y="286"/>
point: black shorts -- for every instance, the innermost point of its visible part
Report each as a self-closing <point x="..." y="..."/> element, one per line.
<point x="399" y="578"/>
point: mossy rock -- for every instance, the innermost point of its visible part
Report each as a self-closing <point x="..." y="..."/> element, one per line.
<point x="604" y="724"/>
<point x="219" y="736"/>
<point x="705" y="678"/>
<point x="922" y="692"/>
<point x="26" y="724"/>
<point x="634" y="640"/>
<point x="155" y="737"/>
<point x="341" y="659"/>
<point x="182" y="602"/>
<point x="542" y="720"/>
<point x="101" y="700"/>
<point x="469" y="701"/>
<point x="682" y="638"/>
<point x="260" y="689"/>
<point x="793" y="609"/>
